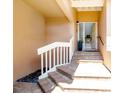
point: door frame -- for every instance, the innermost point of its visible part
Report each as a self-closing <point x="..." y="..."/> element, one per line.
<point x="96" y="24"/>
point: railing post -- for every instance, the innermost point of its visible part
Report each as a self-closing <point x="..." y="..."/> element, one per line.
<point x="71" y="49"/>
<point x="67" y="56"/>
<point x="70" y="52"/>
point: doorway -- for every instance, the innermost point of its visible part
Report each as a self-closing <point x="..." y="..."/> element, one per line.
<point x="87" y="36"/>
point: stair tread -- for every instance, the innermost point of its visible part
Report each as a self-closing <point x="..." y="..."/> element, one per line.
<point x="87" y="70"/>
<point x="92" y="69"/>
<point x="86" y="53"/>
<point x="36" y="89"/>
<point x="57" y="89"/>
<point x="46" y="84"/>
<point x="58" y="77"/>
<point x="96" y="56"/>
<point x="87" y="76"/>
<point x="80" y="84"/>
<point x="87" y="84"/>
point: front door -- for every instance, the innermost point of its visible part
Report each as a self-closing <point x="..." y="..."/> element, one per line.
<point x="87" y="36"/>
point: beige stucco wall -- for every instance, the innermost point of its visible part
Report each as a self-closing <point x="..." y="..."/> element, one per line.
<point x="57" y="29"/>
<point x="103" y="34"/>
<point x="88" y="16"/>
<point x="29" y="34"/>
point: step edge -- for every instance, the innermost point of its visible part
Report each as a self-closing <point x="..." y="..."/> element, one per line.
<point x="65" y="73"/>
<point x="44" y="89"/>
<point x="56" y="82"/>
<point x="40" y="87"/>
<point x="80" y="60"/>
<point x="73" y="76"/>
<point x="89" y="77"/>
<point x="88" y="89"/>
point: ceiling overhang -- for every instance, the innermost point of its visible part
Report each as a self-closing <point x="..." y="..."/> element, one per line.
<point x="89" y="9"/>
<point x="87" y="5"/>
<point x="48" y="8"/>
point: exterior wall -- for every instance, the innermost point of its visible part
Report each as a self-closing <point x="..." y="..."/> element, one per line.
<point x="103" y="34"/>
<point x="70" y="14"/>
<point x="29" y="34"/>
<point x="88" y="16"/>
<point x="58" y="29"/>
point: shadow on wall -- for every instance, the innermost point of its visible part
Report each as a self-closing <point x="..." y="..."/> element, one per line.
<point x="58" y="30"/>
<point x="35" y="62"/>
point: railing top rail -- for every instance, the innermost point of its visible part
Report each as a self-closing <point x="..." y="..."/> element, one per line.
<point x="101" y="40"/>
<point x="52" y="46"/>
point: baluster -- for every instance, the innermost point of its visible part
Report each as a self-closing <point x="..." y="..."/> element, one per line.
<point x="60" y="55"/>
<point x="49" y="59"/>
<point x="70" y="54"/>
<point x="46" y="61"/>
<point x="54" y="60"/>
<point x="41" y="64"/>
<point x="67" y="56"/>
<point x="64" y="55"/>
<point x="57" y="55"/>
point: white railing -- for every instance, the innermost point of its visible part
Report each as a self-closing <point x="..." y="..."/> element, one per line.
<point x="54" y="55"/>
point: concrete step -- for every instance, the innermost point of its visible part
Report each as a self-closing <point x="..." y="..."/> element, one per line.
<point x="68" y="70"/>
<point x="87" y="85"/>
<point x="84" y="85"/>
<point x="57" y="89"/>
<point x="89" y="61"/>
<point x="97" y="58"/>
<point x="92" y="70"/>
<point x="87" y="56"/>
<point x="85" y="70"/>
<point x="86" y="53"/>
<point x="46" y="85"/>
<point x="24" y="87"/>
<point x="59" y="78"/>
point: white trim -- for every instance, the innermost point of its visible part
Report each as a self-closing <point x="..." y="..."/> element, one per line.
<point x="43" y="76"/>
<point x="96" y="24"/>
<point x="78" y="31"/>
<point x="96" y="35"/>
<point x="52" y="46"/>
<point x="83" y="36"/>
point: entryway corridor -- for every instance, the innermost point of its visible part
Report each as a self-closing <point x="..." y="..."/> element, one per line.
<point x="85" y="74"/>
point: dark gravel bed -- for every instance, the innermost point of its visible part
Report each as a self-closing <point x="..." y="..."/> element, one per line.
<point x="31" y="78"/>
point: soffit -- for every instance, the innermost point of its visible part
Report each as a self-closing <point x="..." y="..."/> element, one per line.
<point x="49" y="8"/>
<point x="87" y="5"/>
